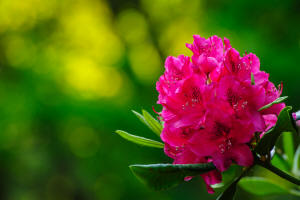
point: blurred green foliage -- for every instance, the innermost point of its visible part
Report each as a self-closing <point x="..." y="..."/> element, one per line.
<point x="71" y="71"/>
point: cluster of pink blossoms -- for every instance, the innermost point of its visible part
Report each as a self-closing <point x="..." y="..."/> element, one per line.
<point x="210" y="105"/>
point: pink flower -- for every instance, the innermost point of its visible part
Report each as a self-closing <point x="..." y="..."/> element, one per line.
<point x="210" y="106"/>
<point x="176" y="71"/>
<point x="184" y="155"/>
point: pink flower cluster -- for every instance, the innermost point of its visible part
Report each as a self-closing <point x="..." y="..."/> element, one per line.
<point x="210" y="105"/>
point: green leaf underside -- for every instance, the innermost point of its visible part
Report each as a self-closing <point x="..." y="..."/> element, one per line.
<point x="284" y="124"/>
<point x="140" y="140"/>
<point x="153" y="124"/>
<point x="276" y="101"/>
<point x="261" y="186"/>
<point x="164" y="176"/>
<point x="288" y="147"/>
<point x="229" y="192"/>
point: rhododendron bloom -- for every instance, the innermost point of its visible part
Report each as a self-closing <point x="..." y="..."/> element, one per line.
<point x="211" y="106"/>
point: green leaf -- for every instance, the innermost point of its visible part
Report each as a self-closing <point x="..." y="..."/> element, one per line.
<point x="229" y="175"/>
<point x="140" y="140"/>
<point x="276" y="101"/>
<point x="279" y="162"/>
<point x="296" y="164"/>
<point x="285" y="123"/>
<point x="252" y="79"/>
<point x="261" y="186"/>
<point x="288" y="146"/>
<point x="163" y="176"/>
<point x="140" y="117"/>
<point x="277" y="171"/>
<point x="149" y="121"/>
<point x="229" y="192"/>
<point x="152" y="123"/>
<point x="295" y="192"/>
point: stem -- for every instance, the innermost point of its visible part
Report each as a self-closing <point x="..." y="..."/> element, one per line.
<point x="278" y="172"/>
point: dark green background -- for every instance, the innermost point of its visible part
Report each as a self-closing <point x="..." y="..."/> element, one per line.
<point x="72" y="71"/>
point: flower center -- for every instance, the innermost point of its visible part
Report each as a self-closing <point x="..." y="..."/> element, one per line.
<point x="225" y="146"/>
<point x="221" y="130"/>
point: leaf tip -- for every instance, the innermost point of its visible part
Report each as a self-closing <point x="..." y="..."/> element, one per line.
<point x="134" y="112"/>
<point x="131" y="167"/>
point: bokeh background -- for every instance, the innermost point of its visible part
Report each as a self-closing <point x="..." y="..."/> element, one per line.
<point x="71" y="71"/>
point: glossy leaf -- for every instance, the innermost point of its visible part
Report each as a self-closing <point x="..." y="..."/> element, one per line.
<point x="261" y="186"/>
<point x="276" y="101"/>
<point x="284" y="123"/>
<point x="153" y="124"/>
<point x="163" y="176"/>
<point x="288" y="147"/>
<point x="140" y="140"/>
<point x="279" y="162"/>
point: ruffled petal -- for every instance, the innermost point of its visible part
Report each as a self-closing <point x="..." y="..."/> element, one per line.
<point x="242" y="155"/>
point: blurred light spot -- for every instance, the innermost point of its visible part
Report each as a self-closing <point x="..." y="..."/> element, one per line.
<point x="82" y="140"/>
<point x="19" y="51"/>
<point x="31" y="160"/>
<point x="23" y="194"/>
<point x="132" y="26"/>
<point x="86" y="30"/>
<point x="103" y="188"/>
<point x="92" y="81"/>
<point x="162" y="12"/>
<point x="176" y="35"/>
<point x="145" y="62"/>
<point x="15" y="14"/>
<point x="161" y="9"/>
<point x="11" y="134"/>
